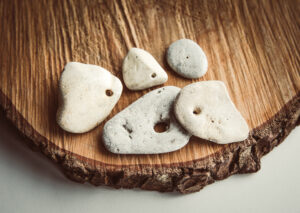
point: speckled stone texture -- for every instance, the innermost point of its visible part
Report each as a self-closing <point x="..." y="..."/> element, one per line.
<point x="132" y="131"/>
<point x="205" y="110"/>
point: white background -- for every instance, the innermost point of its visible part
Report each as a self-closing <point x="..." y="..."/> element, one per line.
<point x="29" y="182"/>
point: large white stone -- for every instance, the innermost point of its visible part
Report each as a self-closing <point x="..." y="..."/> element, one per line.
<point x="131" y="131"/>
<point x="187" y="58"/>
<point x="141" y="70"/>
<point x="205" y="110"/>
<point x="88" y="93"/>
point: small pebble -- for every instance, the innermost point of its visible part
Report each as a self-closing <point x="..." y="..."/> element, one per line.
<point x="187" y="58"/>
<point x="205" y="110"/>
<point x="88" y="93"/>
<point x="141" y="70"/>
<point x="147" y="126"/>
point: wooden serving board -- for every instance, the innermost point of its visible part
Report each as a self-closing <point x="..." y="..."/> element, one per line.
<point x="253" y="46"/>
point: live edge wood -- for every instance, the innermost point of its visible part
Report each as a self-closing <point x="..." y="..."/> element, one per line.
<point x="253" y="46"/>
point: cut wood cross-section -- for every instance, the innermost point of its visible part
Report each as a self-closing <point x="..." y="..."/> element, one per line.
<point x="252" y="46"/>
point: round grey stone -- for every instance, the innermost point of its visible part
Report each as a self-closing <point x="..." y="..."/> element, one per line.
<point x="187" y="58"/>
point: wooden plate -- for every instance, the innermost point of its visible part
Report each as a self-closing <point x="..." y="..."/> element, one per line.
<point x="252" y="46"/>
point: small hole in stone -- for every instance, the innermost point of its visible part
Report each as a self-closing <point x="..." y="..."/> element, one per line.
<point x="187" y="57"/>
<point x="109" y="92"/>
<point x="153" y="75"/>
<point x="197" y="111"/>
<point x="161" y="127"/>
<point x="212" y="121"/>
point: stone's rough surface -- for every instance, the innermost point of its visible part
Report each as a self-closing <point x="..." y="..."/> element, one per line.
<point x="88" y="93"/>
<point x="141" y="70"/>
<point x="132" y="130"/>
<point x="205" y="110"/>
<point x="187" y="58"/>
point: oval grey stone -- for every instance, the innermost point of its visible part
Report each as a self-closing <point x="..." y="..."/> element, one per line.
<point x="131" y="131"/>
<point x="187" y="58"/>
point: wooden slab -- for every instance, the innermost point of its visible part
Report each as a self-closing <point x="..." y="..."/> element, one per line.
<point x="253" y="46"/>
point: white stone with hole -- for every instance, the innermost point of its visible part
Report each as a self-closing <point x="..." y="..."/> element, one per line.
<point x="187" y="58"/>
<point x="88" y="93"/>
<point x="205" y="110"/>
<point x="141" y="70"/>
<point x="132" y="131"/>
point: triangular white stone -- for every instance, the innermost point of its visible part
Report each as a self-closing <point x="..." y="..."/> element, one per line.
<point x="205" y="110"/>
<point x="131" y="131"/>
<point x="141" y="70"/>
<point x="88" y="93"/>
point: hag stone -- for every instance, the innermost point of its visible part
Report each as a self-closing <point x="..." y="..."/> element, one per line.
<point x="132" y="131"/>
<point x="88" y="93"/>
<point x="141" y="70"/>
<point x="205" y="110"/>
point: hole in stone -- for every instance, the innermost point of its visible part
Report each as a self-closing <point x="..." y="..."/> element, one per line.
<point x="187" y="57"/>
<point x="161" y="127"/>
<point x="128" y="129"/>
<point x="109" y="92"/>
<point x="212" y="121"/>
<point x="153" y="75"/>
<point x="197" y="111"/>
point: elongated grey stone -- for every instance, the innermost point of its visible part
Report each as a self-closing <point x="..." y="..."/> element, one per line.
<point x="187" y="58"/>
<point x="206" y="111"/>
<point x="131" y="131"/>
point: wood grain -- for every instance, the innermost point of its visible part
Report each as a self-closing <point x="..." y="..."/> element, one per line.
<point x="252" y="46"/>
